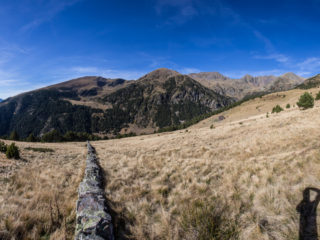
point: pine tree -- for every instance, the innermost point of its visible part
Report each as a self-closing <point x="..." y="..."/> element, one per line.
<point x="31" y="138"/>
<point x="306" y="101"/>
<point x="14" y="136"/>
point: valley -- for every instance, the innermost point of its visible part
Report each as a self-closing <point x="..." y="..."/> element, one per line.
<point x="111" y="107"/>
<point x="247" y="170"/>
<point x="159" y="120"/>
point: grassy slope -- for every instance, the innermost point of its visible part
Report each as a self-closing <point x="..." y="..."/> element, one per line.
<point x="257" y="166"/>
<point x="38" y="194"/>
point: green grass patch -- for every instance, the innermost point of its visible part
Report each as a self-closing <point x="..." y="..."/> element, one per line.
<point x="277" y="109"/>
<point x="39" y="149"/>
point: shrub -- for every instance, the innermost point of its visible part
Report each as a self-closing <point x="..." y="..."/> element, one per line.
<point x="288" y="105"/>
<point x="211" y="127"/>
<point x="318" y="96"/>
<point x="305" y="101"/>
<point x="277" y="109"/>
<point x="70" y="136"/>
<point x="3" y="147"/>
<point x="131" y="134"/>
<point x="14" y="136"/>
<point x="13" y="151"/>
<point x="53" y="136"/>
<point x="31" y="138"/>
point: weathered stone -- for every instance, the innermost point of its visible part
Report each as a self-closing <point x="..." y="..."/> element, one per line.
<point x="93" y="220"/>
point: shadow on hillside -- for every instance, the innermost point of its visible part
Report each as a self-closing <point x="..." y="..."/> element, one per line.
<point x="308" y="215"/>
<point x="119" y="220"/>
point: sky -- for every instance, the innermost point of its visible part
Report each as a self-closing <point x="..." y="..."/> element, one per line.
<point x="43" y="42"/>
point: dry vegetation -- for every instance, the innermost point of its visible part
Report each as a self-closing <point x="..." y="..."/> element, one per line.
<point x="39" y="192"/>
<point x="241" y="179"/>
<point x="248" y="172"/>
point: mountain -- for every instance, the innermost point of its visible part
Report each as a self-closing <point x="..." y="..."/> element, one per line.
<point x="110" y="106"/>
<point x="1" y="100"/>
<point x="310" y="82"/>
<point x="285" y="82"/>
<point x="247" y="85"/>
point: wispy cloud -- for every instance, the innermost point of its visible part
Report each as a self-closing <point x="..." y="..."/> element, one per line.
<point x="234" y="18"/>
<point x="8" y="82"/>
<point x="184" y="10"/>
<point x="241" y="73"/>
<point x="11" y="83"/>
<point x="277" y="57"/>
<point x="310" y="64"/>
<point x="305" y="68"/>
<point x="188" y="70"/>
<point x="9" y="51"/>
<point x="79" y="71"/>
<point x="47" y="11"/>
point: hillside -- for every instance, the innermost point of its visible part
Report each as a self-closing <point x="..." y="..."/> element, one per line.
<point x="247" y="172"/>
<point x="310" y="82"/>
<point x="109" y="106"/>
<point x="247" y="85"/>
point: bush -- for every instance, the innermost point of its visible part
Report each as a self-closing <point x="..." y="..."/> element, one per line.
<point x="277" y="109"/>
<point x="53" y="136"/>
<point x="13" y="151"/>
<point x="305" y="101"/>
<point x="14" y="136"/>
<point x="3" y="147"/>
<point x="70" y="136"/>
<point x="31" y="138"/>
<point x="318" y="96"/>
<point x="288" y="105"/>
<point x="131" y="134"/>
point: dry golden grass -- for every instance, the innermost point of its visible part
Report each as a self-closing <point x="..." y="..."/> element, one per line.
<point x="257" y="166"/>
<point x="247" y="173"/>
<point x="39" y="192"/>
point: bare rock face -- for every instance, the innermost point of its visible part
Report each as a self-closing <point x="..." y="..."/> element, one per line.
<point x="242" y="87"/>
<point x="93" y="220"/>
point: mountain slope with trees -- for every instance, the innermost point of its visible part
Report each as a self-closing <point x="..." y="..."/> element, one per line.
<point x="109" y="106"/>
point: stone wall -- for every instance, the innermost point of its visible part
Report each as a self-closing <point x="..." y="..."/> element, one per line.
<point x="93" y="220"/>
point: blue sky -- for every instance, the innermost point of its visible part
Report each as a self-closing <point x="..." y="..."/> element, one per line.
<point x="48" y="41"/>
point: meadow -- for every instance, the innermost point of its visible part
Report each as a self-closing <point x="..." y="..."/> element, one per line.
<point x="237" y="178"/>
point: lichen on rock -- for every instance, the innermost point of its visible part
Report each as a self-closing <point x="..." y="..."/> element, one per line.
<point x="93" y="220"/>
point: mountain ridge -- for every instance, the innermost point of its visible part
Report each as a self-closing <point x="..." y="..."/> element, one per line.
<point x="310" y="82"/>
<point x="110" y="106"/>
<point x="240" y="87"/>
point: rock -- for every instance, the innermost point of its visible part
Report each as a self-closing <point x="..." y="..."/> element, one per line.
<point x="221" y="118"/>
<point x="93" y="220"/>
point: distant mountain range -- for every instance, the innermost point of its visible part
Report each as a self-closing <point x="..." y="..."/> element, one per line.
<point x="239" y="88"/>
<point x="1" y="100"/>
<point x="111" y="106"/>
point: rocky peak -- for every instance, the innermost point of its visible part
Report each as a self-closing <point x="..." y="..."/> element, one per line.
<point x="161" y="75"/>
<point x="291" y="76"/>
<point x="210" y="76"/>
<point x="248" y="78"/>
